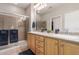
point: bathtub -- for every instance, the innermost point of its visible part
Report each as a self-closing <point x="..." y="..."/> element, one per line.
<point x="14" y="48"/>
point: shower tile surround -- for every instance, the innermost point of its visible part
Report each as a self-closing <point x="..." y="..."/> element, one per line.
<point x="7" y="22"/>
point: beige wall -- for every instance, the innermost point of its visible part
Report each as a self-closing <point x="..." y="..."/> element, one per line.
<point x="28" y="13"/>
<point x="28" y="10"/>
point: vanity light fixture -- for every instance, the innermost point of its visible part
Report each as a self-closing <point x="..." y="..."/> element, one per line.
<point x="36" y="5"/>
<point x="40" y="6"/>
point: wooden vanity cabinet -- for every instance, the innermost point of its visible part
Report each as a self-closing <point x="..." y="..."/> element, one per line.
<point x="51" y="46"/>
<point x="36" y="43"/>
<point x="68" y="48"/>
<point x="31" y="42"/>
<point x="40" y="45"/>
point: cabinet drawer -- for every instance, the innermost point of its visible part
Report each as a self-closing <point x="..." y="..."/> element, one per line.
<point x="40" y="38"/>
<point x="39" y="48"/>
<point x="38" y="52"/>
<point x="40" y="43"/>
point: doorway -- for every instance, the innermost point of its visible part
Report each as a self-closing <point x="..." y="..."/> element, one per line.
<point x="57" y="23"/>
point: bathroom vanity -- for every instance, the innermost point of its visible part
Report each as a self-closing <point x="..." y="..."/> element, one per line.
<point x="53" y="44"/>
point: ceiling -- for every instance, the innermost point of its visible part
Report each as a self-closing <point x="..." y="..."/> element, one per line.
<point x="55" y="6"/>
<point x="50" y="6"/>
<point x="22" y="5"/>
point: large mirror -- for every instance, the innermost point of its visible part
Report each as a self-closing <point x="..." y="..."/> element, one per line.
<point x="59" y="18"/>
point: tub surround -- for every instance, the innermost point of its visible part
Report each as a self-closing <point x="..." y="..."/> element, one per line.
<point x="14" y="48"/>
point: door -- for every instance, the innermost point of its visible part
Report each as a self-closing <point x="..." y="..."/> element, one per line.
<point x="51" y="46"/>
<point x="68" y="48"/>
<point x="57" y="23"/>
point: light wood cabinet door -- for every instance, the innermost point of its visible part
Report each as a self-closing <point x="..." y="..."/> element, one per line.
<point x="40" y="45"/>
<point x="31" y="42"/>
<point x="51" y="46"/>
<point x="68" y="48"/>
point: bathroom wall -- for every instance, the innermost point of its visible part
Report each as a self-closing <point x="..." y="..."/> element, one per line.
<point x="30" y="11"/>
<point x="72" y="21"/>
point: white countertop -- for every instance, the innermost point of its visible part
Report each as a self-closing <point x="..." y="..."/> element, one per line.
<point x="59" y="36"/>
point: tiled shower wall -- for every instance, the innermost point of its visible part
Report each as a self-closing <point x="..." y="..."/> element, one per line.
<point x="8" y="22"/>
